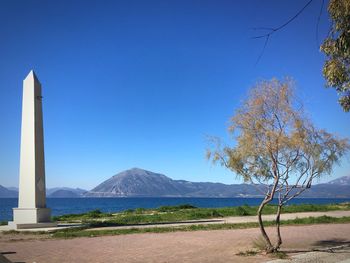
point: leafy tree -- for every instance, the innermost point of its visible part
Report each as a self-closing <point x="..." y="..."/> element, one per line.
<point x="336" y="46"/>
<point x="277" y="148"/>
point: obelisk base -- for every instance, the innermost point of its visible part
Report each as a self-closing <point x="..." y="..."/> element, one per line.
<point x="24" y="218"/>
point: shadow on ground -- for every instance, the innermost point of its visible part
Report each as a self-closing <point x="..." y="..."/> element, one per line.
<point x="3" y="259"/>
<point x="332" y="243"/>
<point x="329" y="245"/>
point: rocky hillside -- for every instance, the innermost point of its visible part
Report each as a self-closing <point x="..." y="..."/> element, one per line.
<point x="138" y="182"/>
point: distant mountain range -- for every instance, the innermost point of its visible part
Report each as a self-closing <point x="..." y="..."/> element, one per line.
<point x="4" y="192"/>
<point x="65" y="192"/>
<point x="57" y="192"/>
<point x="141" y="183"/>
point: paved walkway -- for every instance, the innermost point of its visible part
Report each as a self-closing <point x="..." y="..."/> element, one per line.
<point x="217" y="246"/>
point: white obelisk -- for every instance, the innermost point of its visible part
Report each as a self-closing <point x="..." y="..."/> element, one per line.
<point x="32" y="211"/>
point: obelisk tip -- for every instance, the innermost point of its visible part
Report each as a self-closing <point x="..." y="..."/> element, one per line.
<point x="32" y="75"/>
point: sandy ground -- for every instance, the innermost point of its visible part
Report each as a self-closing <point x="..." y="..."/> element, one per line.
<point x="199" y="246"/>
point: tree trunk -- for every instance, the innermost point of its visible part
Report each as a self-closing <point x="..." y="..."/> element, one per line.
<point x="269" y="247"/>
<point x="278" y="223"/>
<point x="268" y="198"/>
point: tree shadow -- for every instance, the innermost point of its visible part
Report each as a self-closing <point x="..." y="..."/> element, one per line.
<point x="5" y="259"/>
<point x="336" y="245"/>
<point x="336" y="242"/>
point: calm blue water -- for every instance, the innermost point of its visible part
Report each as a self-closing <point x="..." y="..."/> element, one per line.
<point x="62" y="206"/>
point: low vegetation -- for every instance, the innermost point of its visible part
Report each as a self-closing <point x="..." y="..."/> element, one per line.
<point x="79" y="217"/>
<point x="247" y="253"/>
<point x="72" y="233"/>
<point x="185" y="212"/>
<point x="168" y="214"/>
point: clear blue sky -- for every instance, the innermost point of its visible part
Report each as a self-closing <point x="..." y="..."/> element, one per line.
<point x="141" y="83"/>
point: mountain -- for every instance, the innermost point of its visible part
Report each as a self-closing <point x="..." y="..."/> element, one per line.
<point x="64" y="194"/>
<point x="64" y="191"/>
<point x="56" y="192"/>
<point x="13" y="188"/>
<point x="6" y="193"/>
<point x="137" y="182"/>
<point x="327" y="191"/>
<point x="141" y="183"/>
<point x="345" y="180"/>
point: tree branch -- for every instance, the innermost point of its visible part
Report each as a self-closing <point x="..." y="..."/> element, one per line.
<point x="274" y="30"/>
<point x="318" y="23"/>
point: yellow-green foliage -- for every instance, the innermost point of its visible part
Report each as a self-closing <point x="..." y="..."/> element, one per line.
<point x="336" y="46"/>
<point x="276" y="144"/>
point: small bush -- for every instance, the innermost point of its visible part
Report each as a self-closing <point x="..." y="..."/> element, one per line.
<point x="3" y="223"/>
<point x="215" y="213"/>
<point x="247" y="253"/>
<point x="174" y="208"/>
<point x="241" y="211"/>
<point x="94" y="213"/>
<point x="186" y="206"/>
<point x="280" y="255"/>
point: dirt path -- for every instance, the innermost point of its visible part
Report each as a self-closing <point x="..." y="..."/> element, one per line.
<point x="199" y="246"/>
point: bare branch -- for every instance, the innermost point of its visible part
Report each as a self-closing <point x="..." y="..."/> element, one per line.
<point x="274" y="30"/>
<point x="318" y="23"/>
<point x="263" y="50"/>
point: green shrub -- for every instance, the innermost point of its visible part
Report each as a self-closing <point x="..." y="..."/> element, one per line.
<point x="175" y="208"/>
<point x="241" y="211"/>
<point x="215" y="213"/>
<point x="94" y="213"/>
<point x="247" y="253"/>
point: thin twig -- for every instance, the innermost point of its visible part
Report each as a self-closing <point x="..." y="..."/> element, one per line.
<point x="318" y="23"/>
<point x="273" y="30"/>
<point x="263" y="50"/>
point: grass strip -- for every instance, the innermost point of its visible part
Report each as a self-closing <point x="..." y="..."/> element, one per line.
<point x="72" y="233"/>
<point x="185" y="212"/>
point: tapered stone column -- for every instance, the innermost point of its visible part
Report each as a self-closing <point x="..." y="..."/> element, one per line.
<point x="32" y="211"/>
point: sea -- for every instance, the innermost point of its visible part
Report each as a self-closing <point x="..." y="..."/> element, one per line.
<point x="61" y="206"/>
